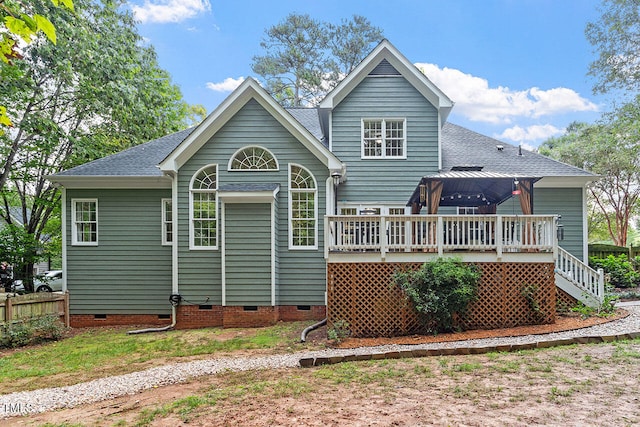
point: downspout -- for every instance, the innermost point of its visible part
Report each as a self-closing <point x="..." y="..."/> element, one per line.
<point x="175" y="297"/>
<point x="303" y="336"/>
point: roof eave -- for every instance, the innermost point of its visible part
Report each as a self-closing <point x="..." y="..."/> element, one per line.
<point x="111" y="182"/>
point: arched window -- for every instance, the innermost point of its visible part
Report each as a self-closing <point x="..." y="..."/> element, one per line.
<point x="303" y="212"/>
<point x="203" y="225"/>
<point x="253" y="158"/>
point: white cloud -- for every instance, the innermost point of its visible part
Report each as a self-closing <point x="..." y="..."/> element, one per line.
<point x="530" y="133"/>
<point x="163" y="11"/>
<point x="476" y="101"/>
<point x="228" y="85"/>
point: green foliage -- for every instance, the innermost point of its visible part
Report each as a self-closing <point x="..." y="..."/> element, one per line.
<point x="440" y="290"/>
<point x="21" y="250"/>
<point x="618" y="269"/>
<point x="31" y="331"/>
<point x="605" y="309"/>
<point x="530" y="293"/>
<point x="305" y="58"/>
<point x="609" y="149"/>
<point x="615" y="37"/>
<point x="339" y="331"/>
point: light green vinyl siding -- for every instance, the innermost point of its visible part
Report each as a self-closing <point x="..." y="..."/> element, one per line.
<point x="248" y="254"/>
<point x="567" y="202"/>
<point x="130" y="270"/>
<point x="378" y="180"/>
<point x="301" y="273"/>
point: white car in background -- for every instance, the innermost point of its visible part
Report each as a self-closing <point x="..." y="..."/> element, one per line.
<point x="50" y="281"/>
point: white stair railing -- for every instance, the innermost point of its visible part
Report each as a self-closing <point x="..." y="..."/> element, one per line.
<point x="588" y="280"/>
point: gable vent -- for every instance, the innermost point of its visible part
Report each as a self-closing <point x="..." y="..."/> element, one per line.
<point x="384" y="69"/>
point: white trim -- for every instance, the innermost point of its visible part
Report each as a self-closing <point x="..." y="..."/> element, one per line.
<point x="223" y="255"/>
<point x="290" y="206"/>
<point x="174" y="248"/>
<point x="565" y="181"/>
<point x="230" y="169"/>
<point x="248" y="90"/>
<point x="111" y="182"/>
<point x="266" y="196"/>
<point x="223" y="241"/>
<point x="273" y="253"/>
<point x="585" y="226"/>
<point x="385" y="50"/>
<point x="74" y="236"/>
<point x="163" y="221"/>
<point x="192" y="245"/>
<point x="64" y="239"/>
<point x="383" y="122"/>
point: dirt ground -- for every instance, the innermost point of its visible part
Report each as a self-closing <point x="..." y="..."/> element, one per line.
<point x="568" y="386"/>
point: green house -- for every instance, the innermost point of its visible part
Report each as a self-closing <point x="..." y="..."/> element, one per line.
<point x="239" y="220"/>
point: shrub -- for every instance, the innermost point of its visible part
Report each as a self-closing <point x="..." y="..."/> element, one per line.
<point x="619" y="270"/>
<point x="440" y="290"/>
<point x="31" y="331"/>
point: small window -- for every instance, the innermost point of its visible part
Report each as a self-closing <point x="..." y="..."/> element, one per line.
<point x="167" y="222"/>
<point x="203" y="209"/>
<point x="84" y="214"/>
<point x="384" y="139"/>
<point x="468" y="210"/>
<point x="253" y="158"/>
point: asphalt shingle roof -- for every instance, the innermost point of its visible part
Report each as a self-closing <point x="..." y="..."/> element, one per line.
<point x="463" y="147"/>
<point x="141" y="160"/>
<point x="460" y="147"/>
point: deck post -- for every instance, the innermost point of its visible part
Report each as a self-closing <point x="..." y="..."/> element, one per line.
<point x="440" y="236"/>
<point x="384" y="237"/>
<point x="499" y="236"/>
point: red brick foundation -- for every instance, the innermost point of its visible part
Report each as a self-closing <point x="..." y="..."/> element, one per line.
<point x="204" y="316"/>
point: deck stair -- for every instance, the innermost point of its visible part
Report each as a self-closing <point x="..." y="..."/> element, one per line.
<point x="579" y="280"/>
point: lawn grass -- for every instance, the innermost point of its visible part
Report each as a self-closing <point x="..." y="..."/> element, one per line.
<point x="100" y="352"/>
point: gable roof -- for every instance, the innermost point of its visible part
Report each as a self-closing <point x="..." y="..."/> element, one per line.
<point x="464" y="147"/>
<point x="249" y="89"/>
<point x="387" y="54"/>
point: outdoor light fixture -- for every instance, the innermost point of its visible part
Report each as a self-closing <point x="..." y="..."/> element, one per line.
<point x="336" y="181"/>
<point x="516" y="191"/>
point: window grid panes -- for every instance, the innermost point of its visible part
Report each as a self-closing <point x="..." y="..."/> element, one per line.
<point x="383" y="138"/>
<point x="254" y="158"/>
<point x="167" y="221"/>
<point x="303" y="208"/>
<point x="86" y="221"/>
<point x="204" y="209"/>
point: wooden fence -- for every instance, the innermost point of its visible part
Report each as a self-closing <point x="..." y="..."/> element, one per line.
<point x="603" y="251"/>
<point x="19" y="307"/>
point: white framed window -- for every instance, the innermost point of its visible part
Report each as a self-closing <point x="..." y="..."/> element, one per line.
<point x="253" y="158"/>
<point x="203" y="209"/>
<point x="303" y="209"/>
<point x="468" y="210"/>
<point x="84" y="222"/>
<point x="167" y="222"/>
<point x="384" y="139"/>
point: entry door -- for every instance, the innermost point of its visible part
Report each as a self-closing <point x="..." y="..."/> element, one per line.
<point x="247" y="258"/>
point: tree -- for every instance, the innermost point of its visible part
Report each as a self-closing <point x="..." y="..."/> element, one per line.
<point x="616" y="39"/>
<point x="305" y="58"/>
<point x="96" y="92"/>
<point x="18" y="24"/>
<point x="611" y="150"/>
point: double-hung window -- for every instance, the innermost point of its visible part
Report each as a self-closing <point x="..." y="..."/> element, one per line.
<point x="203" y="226"/>
<point x="384" y="139"/>
<point x="303" y="211"/>
<point x="167" y="222"/>
<point x="84" y="214"/>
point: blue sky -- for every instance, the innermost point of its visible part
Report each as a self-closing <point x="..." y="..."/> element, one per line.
<point x="516" y="69"/>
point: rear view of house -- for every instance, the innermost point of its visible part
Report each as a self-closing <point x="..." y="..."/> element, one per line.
<point x="263" y="213"/>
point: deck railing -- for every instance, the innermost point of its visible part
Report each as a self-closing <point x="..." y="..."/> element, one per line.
<point x="590" y="281"/>
<point x="440" y="233"/>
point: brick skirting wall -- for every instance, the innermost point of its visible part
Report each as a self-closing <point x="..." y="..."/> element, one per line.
<point x="204" y="316"/>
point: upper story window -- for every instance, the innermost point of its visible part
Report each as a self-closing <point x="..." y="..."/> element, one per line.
<point x="303" y="211"/>
<point x="84" y="214"/>
<point x="167" y="222"/>
<point x="203" y="209"/>
<point x="253" y="158"/>
<point x="384" y="139"/>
